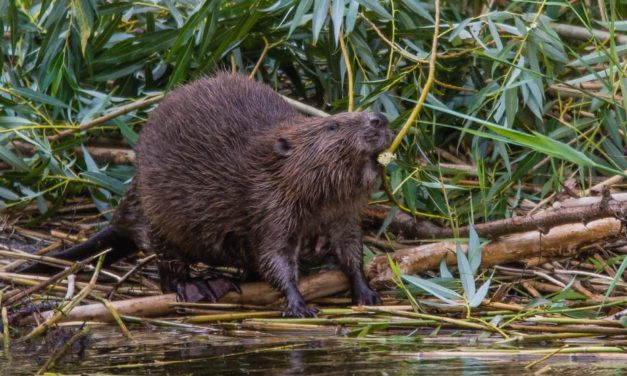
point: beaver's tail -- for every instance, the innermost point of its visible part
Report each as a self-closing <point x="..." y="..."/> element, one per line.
<point x="120" y="245"/>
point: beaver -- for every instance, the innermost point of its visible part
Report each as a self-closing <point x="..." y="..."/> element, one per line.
<point x="229" y="174"/>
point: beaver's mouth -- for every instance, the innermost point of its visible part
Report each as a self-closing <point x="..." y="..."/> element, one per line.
<point x="381" y="148"/>
<point x="379" y="142"/>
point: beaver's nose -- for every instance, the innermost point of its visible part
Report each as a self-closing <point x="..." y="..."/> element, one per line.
<point x="377" y="120"/>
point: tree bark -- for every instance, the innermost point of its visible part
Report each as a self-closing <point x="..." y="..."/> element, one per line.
<point x="559" y="240"/>
<point x="257" y="293"/>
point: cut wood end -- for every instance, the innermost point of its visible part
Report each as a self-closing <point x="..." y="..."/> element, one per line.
<point x="257" y="293"/>
<point x="564" y="239"/>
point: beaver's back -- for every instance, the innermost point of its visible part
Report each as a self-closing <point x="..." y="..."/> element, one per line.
<point x="194" y="157"/>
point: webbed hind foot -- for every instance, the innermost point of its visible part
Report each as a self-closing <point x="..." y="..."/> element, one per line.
<point x="212" y="289"/>
<point x="175" y="277"/>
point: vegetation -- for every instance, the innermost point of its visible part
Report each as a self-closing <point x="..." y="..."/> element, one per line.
<point x="524" y="96"/>
<point x="525" y="105"/>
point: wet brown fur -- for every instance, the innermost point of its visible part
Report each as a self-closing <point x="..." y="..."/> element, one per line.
<point x="230" y="175"/>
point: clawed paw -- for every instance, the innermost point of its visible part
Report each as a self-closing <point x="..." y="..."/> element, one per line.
<point x="367" y="297"/>
<point x="300" y="311"/>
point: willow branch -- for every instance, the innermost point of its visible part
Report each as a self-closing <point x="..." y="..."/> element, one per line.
<point x="582" y="33"/>
<point x="99" y="120"/>
<point x="349" y="73"/>
<point x="425" y="90"/>
<point x="267" y="46"/>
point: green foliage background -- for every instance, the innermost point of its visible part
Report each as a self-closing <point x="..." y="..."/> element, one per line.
<point x="523" y="106"/>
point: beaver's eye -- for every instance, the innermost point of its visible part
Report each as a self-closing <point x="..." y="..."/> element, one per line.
<point x="333" y="127"/>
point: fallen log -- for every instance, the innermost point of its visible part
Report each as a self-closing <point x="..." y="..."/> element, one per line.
<point x="558" y="241"/>
<point x="257" y="293"/>
<point x="410" y="228"/>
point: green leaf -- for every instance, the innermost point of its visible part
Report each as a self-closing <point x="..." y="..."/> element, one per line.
<point x="617" y="278"/>
<point x="538" y="302"/>
<point x="434" y="289"/>
<point x="364" y="52"/>
<point x="118" y="71"/>
<point x="597" y="57"/>
<point x="321" y="7"/>
<point x="465" y="273"/>
<point x="337" y="15"/>
<point x="38" y="97"/>
<point x="388" y="219"/>
<point x="481" y="293"/>
<point x="42" y="206"/>
<point x="182" y="66"/>
<point x="187" y="31"/>
<point x="613" y="24"/>
<point x="554" y="53"/>
<point x="10" y="158"/>
<point x="444" y="272"/>
<point x="562" y="150"/>
<point x="409" y="194"/>
<point x="535" y="141"/>
<point x="474" y="249"/>
<point x="374" y="6"/>
<point x="495" y="34"/>
<point x="178" y="17"/>
<point x="129" y="134"/>
<point x="102" y="205"/>
<point x="511" y="106"/>
<point x="103" y="180"/>
<point x="13" y="23"/>
<point x="418" y="8"/>
<point x="8" y="194"/>
<point x="303" y="7"/>
<point x="82" y="10"/>
<point x="351" y="16"/>
<point x="13" y="121"/>
<point x="89" y="161"/>
<point x="496" y="320"/>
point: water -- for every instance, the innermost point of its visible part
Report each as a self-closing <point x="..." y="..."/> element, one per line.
<point x="158" y="350"/>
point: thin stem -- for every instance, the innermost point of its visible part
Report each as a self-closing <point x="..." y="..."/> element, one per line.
<point x="131" y="107"/>
<point x="349" y="73"/>
<point x="267" y="46"/>
<point x="425" y="90"/>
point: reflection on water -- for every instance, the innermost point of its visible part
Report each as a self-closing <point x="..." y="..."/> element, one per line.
<point x="167" y="351"/>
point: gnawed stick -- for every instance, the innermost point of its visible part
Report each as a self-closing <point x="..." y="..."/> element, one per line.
<point x="411" y="261"/>
<point x="257" y="293"/>
<point x="514" y="247"/>
<point x="410" y="228"/>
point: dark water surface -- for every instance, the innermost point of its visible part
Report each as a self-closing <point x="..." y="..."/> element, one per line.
<point x="179" y="351"/>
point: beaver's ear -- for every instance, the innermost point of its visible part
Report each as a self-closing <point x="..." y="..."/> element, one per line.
<point x="282" y="147"/>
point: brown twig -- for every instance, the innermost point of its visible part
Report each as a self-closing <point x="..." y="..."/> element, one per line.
<point x="139" y="265"/>
<point x="506" y="249"/>
<point x="66" y="347"/>
<point x="259" y="293"/>
<point x="16" y="264"/>
<point x="412" y="228"/>
<point x="52" y="280"/>
<point x="111" y="115"/>
<point x="267" y="46"/>
<point x="582" y="33"/>
<point x="55" y="317"/>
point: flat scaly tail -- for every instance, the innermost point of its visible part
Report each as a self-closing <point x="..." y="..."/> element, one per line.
<point x="120" y="245"/>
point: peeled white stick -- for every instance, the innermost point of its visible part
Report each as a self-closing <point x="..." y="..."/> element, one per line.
<point x="560" y="240"/>
<point x="257" y="293"/>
